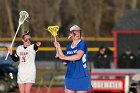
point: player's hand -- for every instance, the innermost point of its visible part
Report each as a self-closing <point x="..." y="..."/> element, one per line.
<point x="10" y="50"/>
<point x="60" y="56"/>
<point x="56" y="44"/>
<point x="64" y="63"/>
<point x="57" y="55"/>
<point x="38" y="44"/>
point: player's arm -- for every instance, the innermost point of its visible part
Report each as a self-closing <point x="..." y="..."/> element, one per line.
<point x="60" y="52"/>
<point x="78" y="56"/>
<point x="14" y="57"/>
<point x="58" y="47"/>
<point x="37" y="45"/>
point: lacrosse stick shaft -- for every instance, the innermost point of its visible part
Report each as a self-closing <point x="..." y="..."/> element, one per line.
<point x="55" y="38"/>
<point x="12" y="41"/>
<point x="56" y="46"/>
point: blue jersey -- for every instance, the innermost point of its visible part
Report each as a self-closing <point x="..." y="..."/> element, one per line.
<point x="77" y="68"/>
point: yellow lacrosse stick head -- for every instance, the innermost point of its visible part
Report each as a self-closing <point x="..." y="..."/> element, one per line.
<point x="53" y="30"/>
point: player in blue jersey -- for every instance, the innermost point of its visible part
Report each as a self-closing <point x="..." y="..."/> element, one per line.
<point x="77" y="78"/>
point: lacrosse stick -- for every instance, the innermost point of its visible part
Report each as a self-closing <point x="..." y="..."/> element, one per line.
<point x="53" y="30"/>
<point x="23" y="16"/>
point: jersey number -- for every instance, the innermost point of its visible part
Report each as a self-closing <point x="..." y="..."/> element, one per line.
<point x="24" y="59"/>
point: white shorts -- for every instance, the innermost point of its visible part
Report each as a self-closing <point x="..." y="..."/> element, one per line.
<point x="28" y="77"/>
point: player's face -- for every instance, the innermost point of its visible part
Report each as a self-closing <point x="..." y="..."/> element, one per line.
<point x="76" y="34"/>
<point x="27" y="40"/>
<point x="102" y="51"/>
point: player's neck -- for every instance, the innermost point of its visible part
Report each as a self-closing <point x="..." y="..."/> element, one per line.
<point x="26" y="45"/>
<point x="75" y="42"/>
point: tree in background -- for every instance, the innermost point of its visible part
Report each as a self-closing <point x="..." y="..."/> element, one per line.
<point x="96" y="17"/>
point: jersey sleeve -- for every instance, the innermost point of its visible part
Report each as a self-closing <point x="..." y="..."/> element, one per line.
<point x="82" y="46"/>
<point x="15" y="57"/>
<point x="35" y="47"/>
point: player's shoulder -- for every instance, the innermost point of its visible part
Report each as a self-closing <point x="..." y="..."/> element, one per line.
<point x="32" y="45"/>
<point x="20" y="46"/>
<point x="69" y="44"/>
<point x="82" y="42"/>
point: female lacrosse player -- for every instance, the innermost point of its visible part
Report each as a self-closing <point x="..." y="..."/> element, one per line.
<point x="25" y="54"/>
<point x="77" y="79"/>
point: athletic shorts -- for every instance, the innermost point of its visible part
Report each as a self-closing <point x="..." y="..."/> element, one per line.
<point x="78" y="84"/>
<point x="26" y="77"/>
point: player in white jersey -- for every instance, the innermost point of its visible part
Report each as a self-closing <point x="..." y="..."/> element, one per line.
<point x="25" y="54"/>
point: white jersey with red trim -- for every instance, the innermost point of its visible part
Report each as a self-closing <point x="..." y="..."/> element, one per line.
<point x="26" y="67"/>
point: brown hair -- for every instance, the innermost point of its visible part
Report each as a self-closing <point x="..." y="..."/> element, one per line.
<point x="27" y="33"/>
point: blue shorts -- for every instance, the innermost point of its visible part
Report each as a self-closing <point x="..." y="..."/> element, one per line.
<point x="78" y="84"/>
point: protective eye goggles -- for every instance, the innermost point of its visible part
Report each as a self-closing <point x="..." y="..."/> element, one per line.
<point x="75" y="31"/>
<point x="27" y="39"/>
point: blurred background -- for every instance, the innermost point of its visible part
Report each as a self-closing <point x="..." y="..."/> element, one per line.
<point x="96" y="17"/>
<point x="109" y="24"/>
